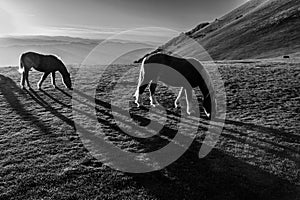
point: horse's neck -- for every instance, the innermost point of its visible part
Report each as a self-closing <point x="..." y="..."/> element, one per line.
<point x="63" y="70"/>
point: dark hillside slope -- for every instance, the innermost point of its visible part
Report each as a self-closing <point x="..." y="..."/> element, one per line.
<point x="257" y="29"/>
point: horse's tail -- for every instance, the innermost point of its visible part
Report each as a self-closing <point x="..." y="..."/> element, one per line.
<point x="142" y="71"/>
<point x="21" y="66"/>
<point x="141" y="76"/>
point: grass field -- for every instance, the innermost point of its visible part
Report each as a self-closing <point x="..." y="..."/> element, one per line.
<point x="256" y="157"/>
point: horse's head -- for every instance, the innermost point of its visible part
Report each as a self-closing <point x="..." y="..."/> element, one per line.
<point x="209" y="108"/>
<point x="67" y="80"/>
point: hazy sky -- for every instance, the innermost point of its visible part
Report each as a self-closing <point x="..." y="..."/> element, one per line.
<point x="100" y="18"/>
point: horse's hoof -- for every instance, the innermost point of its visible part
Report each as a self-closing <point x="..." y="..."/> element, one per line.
<point x="207" y="114"/>
<point x="137" y="104"/>
<point x="207" y="117"/>
<point x="190" y="112"/>
<point x="154" y="104"/>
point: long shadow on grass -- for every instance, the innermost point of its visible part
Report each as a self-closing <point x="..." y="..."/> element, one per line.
<point x="55" y="99"/>
<point x="278" y="146"/>
<point x="14" y="95"/>
<point x="217" y="176"/>
<point x="38" y="99"/>
<point x="236" y="135"/>
<point x="268" y="130"/>
<point x="11" y="92"/>
<point x="110" y="127"/>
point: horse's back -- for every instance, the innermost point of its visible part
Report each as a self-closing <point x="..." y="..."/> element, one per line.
<point x="40" y="62"/>
<point x="173" y="70"/>
<point x="50" y="60"/>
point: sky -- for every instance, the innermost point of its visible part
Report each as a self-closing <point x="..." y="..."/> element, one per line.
<point x="102" y="18"/>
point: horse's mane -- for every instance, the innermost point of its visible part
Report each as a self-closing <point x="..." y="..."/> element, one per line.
<point x="56" y="57"/>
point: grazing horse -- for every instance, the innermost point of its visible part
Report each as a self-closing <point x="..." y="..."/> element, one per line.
<point x="43" y="63"/>
<point x="178" y="72"/>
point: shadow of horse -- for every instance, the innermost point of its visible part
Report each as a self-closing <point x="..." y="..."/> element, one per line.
<point x="217" y="176"/>
<point x="40" y="100"/>
<point x="13" y="94"/>
<point x="273" y="131"/>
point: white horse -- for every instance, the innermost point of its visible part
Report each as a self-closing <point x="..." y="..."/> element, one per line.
<point x="43" y="63"/>
<point x="178" y="72"/>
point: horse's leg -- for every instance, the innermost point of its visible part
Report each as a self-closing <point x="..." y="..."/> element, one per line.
<point x="39" y="85"/>
<point x="209" y="107"/>
<point x="53" y="79"/>
<point x="26" y="78"/>
<point x="188" y="96"/>
<point x="176" y="103"/>
<point x="22" y="82"/>
<point x="140" y="91"/>
<point x="153" y="101"/>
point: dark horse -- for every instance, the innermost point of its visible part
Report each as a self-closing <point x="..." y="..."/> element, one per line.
<point x="43" y="63"/>
<point x="178" y="72"/>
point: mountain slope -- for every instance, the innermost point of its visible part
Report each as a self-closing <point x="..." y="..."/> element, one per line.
<point x="257" y="29"/>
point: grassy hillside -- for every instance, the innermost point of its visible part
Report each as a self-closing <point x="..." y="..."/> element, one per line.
<point x="257" y="29"/>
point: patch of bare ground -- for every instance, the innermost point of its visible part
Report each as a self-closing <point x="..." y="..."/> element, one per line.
<point x="257" y="156"/>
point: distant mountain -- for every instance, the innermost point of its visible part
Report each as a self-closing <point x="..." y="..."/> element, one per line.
<point x="71" y="50"/>
<point x="257" y="29"/>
